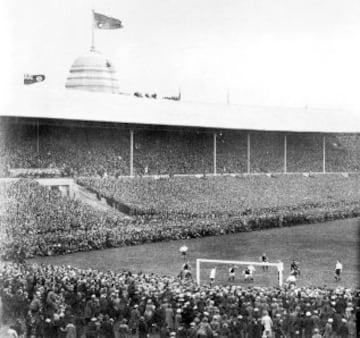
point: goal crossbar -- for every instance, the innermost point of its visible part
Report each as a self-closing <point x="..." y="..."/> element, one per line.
<point x="279" y="266"/>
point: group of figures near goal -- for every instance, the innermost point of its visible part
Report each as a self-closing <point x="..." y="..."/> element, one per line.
<point x="248" y="274"/>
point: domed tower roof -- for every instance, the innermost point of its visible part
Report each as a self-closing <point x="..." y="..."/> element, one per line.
<point x="93" y="72"/>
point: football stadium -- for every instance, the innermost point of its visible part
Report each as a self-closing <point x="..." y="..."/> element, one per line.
<point x="136" y="215"/>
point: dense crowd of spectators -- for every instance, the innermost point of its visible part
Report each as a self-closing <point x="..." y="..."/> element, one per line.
<point x="63" y="301"/>
<point x="218" y="196"/>
<point x="37" y="221"/>
<point x="81" y="150"/>
<point x="77" y="151"/>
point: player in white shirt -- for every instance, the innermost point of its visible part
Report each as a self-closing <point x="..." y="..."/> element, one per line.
<point x="212" y="275"/>
<point x="291" y="280"/>
<point x="338" y="270"/>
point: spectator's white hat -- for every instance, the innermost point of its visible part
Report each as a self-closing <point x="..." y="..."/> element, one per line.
<point x="330" y="320"/>
<point x="308" y="313"/>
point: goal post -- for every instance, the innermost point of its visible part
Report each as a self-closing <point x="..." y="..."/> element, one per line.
<point x="279" y="266"/>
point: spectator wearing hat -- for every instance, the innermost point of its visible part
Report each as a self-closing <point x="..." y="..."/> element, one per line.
<point x="104" y="303"/>
<point x="239" y="326"/>
<point x="70" y="329"/>
<point x="225" y="331"/>
<point x="124" y="330"/>
<point x="329" y="332"/>
<point x="143" y="329"/>
<point x="291" y="323"/>
<point x="278" y="326"/>
<point x="215" y="324"/>
<point x="48" y="328"/>
<point x="204" y="330"/>
<point x="316" y="319"/>
<point x="36" y="305"/>
<point x="92" y="308"/>
<point x="107" y="327"/>
<point x="134" y="319"/>
<point x="192" y="330"/>
<point x="91" y="328"/>
<point x="178" y="319"/>
<point x="351" y="325"/>
<point x="257" y="329"/>
<point x="181" y="332"/>
<point x="169" y="316"/>
<point x="187" y="314"/>
<point x="343" y="330"/>
<point x="164" y="331"/>
<point x="308" y="325"/>
<point x="149" y="313"/>
<point x="316" y="334"/>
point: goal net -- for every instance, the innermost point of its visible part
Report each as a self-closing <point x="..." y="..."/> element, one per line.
<point x="262" y="274"/>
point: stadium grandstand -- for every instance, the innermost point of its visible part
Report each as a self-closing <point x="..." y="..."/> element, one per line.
<point x="156" y="137"/>
<point x="148" y="170"/>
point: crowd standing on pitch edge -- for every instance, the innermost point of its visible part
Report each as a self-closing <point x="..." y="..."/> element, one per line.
<point x="62" y="301"/>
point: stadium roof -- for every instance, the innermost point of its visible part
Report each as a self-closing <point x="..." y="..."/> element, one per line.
<point x="36" y="101"/>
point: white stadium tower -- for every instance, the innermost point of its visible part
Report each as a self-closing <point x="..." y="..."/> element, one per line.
<point x="93" y="72"/>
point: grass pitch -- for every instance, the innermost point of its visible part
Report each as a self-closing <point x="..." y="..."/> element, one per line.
<point x="316" y="246"/>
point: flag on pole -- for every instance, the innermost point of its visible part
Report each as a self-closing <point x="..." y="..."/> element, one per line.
<point x="102" y="21"/>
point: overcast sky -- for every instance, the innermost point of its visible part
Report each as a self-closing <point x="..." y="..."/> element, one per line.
<point x="265" y="52"/>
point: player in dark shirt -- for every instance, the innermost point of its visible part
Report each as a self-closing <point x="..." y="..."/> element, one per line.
<point x="232" y="273"/>
<point x="295" y="268"/>
<point x="264" y="259"/>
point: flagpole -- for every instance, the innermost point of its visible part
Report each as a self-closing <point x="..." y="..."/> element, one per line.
<point x="92" y="31"/>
